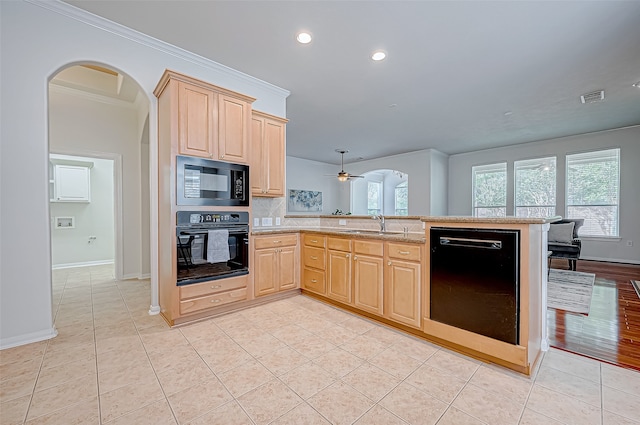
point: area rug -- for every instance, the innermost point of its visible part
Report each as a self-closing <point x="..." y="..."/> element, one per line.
<point x="570" y="291"/>
<point x="636" y="286"/>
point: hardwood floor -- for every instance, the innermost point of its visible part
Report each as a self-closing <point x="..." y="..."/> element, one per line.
<point x="611" y="330"/>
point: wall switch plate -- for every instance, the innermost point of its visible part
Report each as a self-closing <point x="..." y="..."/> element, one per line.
<point x="277" y="221"/>
<point x="629" y="243"/>
<point x="256" y="222"/>
<point x="342" y="222"/>
<point x="267" y="221"/>
<point x="424" y="225"/>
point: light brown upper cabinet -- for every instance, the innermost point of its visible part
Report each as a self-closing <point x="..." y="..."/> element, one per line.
<point x="268" y="155"/>
<point x="212" y="122"/>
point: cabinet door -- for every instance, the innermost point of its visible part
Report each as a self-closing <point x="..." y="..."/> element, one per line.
<point x="233" y="126"/>
<point x="368" y="280"/>
<point x="196" y="112"/>
<point x="257" y="156"/>
<point x="339" y="276"/>
<point x="265" y="280"/>
<point x="72" y="183"/>
<point x="274" y="157"/>
<point x="403" y="292"/>
<point x="287" y="268"/>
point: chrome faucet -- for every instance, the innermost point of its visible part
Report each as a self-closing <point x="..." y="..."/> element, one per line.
<point x="380" y="218"/>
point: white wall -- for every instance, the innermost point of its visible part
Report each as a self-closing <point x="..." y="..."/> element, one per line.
<point x="426" y="187"/>
<point x="72" y="246"/>
<point x="627" y="139"/>
<point x="303" y="174"/>
<point x="80" y="124"/>
<point x="37" y="40"/>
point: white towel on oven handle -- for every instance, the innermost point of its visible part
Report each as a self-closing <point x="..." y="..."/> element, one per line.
<point x="218" y="246"/>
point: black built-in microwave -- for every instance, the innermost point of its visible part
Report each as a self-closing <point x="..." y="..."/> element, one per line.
<point x="203" y="181"/>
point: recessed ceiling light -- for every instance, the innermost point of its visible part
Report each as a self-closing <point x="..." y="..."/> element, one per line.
<point x="506" y="114"/>
<point x="378" y="55"/>
<point x="303" y="37"/>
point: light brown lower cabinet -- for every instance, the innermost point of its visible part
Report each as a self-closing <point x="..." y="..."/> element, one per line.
<point x="368" y="273"/>
<point x="276" y="264"/>
<point x="338" y="273"/>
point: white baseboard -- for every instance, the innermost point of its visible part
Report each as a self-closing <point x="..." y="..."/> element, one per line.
<point x="16" y="341"/>
<point x="137" y="276"/>
<point x="611" y="260"/>
<point x="82" y="264"/>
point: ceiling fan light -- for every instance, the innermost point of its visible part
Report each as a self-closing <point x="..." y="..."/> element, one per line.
<point x="342" y="178"/>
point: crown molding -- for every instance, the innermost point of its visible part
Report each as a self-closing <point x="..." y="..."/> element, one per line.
<point x="85" y="17"/>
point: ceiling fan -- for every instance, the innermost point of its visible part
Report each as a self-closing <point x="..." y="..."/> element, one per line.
<point x="343" y="176"/>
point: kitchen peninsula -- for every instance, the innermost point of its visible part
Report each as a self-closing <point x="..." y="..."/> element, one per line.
<point x="349" y="262"/>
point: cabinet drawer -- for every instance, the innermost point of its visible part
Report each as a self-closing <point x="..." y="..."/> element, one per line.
<point x="314" y="257"/>
<point x="209" y="288"/>
<point x="368" y="247"/>
<point x="339" y="244"/>
<point x="314" y="280"/>
<point x="314" y="240"/>
<point x="203" y="303"/>
<point x="409" y="252"/>
<point x="261" y="242"/>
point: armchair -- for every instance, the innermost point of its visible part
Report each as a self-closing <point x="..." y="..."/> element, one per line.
<point x="563" y="240"/>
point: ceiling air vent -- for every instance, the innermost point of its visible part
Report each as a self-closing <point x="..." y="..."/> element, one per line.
<point x="595" y="96"/>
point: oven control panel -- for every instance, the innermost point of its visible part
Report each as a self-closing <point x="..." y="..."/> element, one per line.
<point x="185" y="218"/>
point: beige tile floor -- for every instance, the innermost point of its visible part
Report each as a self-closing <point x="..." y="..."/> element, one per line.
<point x="295" y="361"/>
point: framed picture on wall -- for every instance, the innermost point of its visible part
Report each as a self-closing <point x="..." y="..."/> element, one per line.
<point x="304" y="201"/>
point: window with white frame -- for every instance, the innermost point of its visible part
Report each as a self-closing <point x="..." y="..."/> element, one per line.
<point x="490" y="190"/>
<point x="593" y="187"/>
<point x="535" y="187"/>
<point x="402" y="198"/>
<point x="374" y="198"/>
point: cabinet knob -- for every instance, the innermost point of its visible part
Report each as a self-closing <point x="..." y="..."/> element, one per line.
<point x="313" y="257"/>
<point x="355" y="257"/>
<point x="314" y="241"/>
<point x="388" y="263"/>
<point x="221" y="156"/>
<point x="216" y="286"/>
<point x="404" y="252"/>
<point x="314" y="280"/>
<point x="348" y="255"/>
<point x="215" y="301"/>
<point x="277" y="241"/>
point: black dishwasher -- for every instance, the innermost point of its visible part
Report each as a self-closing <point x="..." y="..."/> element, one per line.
<point x="475" y="280"/>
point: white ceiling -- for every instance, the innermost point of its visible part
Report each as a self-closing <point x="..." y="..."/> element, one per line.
<point x="453" y="69"/>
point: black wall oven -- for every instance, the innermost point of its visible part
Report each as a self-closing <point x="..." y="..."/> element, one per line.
<point x="211" y="245"/>
<point x="202" y="181"/>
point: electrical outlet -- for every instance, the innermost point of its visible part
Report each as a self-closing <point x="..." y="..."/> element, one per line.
<point x="629" y="243"/>
<point x="277" y="221"/>
<point x="342" y="222"/>
<point x="424" y="225"/>
<point x="267" y="221"/>
<point x="256" y="222"/>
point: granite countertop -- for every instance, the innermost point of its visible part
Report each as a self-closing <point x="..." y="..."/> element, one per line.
<point x="497" y="220"/>
<point x="444" y="218"/>
<point x="351" y="233"/>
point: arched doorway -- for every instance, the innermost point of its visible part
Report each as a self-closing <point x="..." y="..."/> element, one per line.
<point x="97" y="114"/>
<point x="381" y="192"/>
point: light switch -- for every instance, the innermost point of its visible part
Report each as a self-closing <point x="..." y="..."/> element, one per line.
<point x="342" y="222"/>
<point x="256" y="222"/>
<point x="277" y="221"/>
